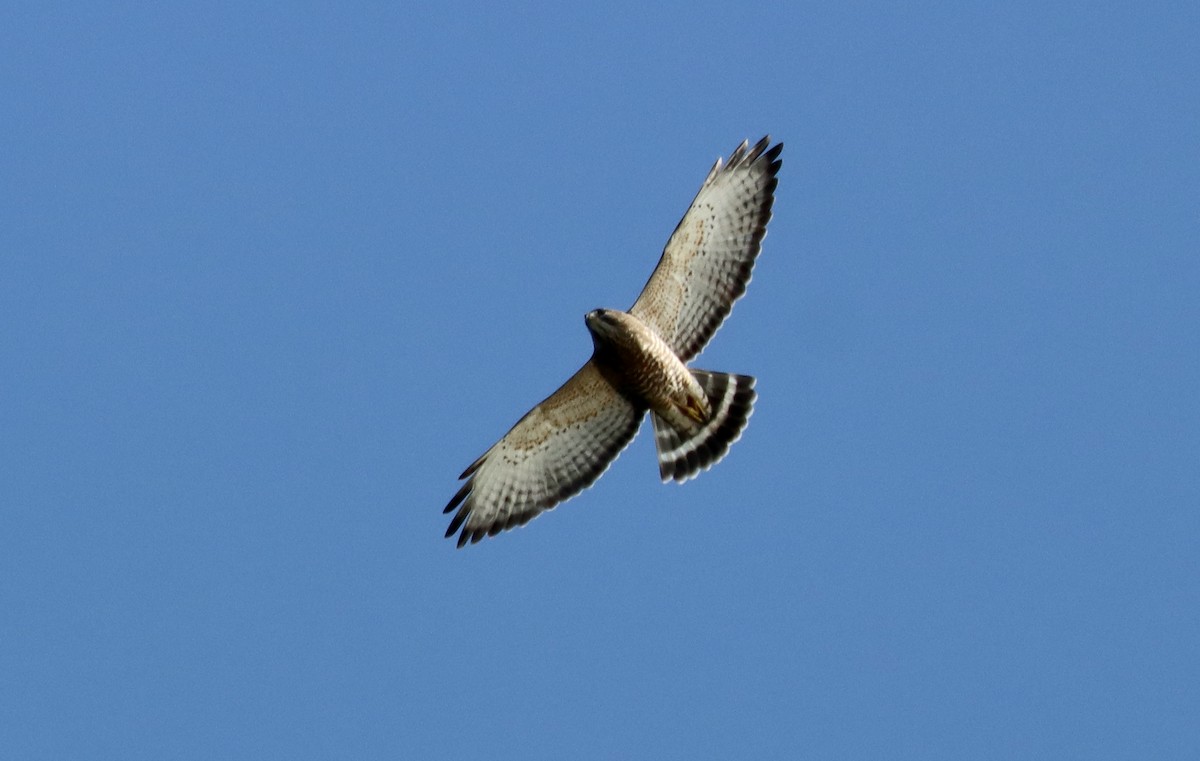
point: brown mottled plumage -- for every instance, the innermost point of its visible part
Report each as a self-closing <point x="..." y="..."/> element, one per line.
<point x="638" y="364"/>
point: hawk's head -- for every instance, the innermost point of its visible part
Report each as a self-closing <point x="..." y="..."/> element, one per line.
<point x="605" y="323"/>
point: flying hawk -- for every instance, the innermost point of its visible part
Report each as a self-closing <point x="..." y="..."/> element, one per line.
<point x="639" y="364"/>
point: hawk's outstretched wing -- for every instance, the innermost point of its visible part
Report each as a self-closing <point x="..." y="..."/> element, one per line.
<point x="707" y="261"/>
<point x="558" y="449"/>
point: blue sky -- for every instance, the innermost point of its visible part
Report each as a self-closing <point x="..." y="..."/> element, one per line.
<point x="273" y="275"/>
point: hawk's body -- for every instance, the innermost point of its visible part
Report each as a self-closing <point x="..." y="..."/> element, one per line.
<point x="639" y="364"/>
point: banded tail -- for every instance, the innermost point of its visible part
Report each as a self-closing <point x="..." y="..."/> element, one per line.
<point x="683" y="454"/>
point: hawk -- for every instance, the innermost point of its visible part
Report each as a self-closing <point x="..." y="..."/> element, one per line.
<point x="639" y="364"/>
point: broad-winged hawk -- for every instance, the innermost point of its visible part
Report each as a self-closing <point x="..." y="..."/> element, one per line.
<point x="638" y="364"/>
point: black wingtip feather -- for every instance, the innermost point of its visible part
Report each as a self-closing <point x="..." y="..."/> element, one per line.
<point x="458" y="497"/>
<point x="458" y="520"/>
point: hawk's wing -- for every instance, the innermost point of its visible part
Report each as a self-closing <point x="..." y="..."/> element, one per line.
<point x="707" y="261"/>
<point x="558" y="449"/>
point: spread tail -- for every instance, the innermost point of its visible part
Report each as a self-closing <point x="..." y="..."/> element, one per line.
<point x="683" y="454"/>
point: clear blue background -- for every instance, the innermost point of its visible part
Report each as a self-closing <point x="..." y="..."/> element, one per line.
<point x="271" y="276"/>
